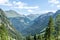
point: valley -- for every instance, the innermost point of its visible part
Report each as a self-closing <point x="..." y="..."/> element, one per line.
<point x="14" y="26"/>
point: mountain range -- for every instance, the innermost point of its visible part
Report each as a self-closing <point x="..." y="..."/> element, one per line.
<point x="30" y="24"/>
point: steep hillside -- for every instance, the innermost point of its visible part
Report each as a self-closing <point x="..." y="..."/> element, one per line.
<point x="11" y="32"/>
<point x="19" y="21"/>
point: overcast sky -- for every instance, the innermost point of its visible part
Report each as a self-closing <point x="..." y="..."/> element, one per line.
<point x="30" y="6"/>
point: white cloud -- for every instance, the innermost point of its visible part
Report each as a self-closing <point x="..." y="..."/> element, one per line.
<point x="27" y="7"/>
<point x="22" y="5"/>
<point x="7" y="4"/>
<point x="58" y="6"/>
<point x="53" y="1"/>
<point x="30" y="11"/>
<point x="35" y="7"/>
<point x="51" y="11"/>
<point x="46" y="11"/>
<point x="19" y="5"/>
<point x="3" y="1"/>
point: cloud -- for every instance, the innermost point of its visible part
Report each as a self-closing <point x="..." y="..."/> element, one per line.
<point x="58" y="6"/>
<point x="50" y="11"/>
<point x="19" y="4"/>
<point x="30" y="11"/>
<point x="34" y="7"/>
<point x="53" y="1"/>
<point x="46" y="11"/>
<point x="3" y="1"/>
<point x="7" y="4"/>
<point x="23" y="5"/>
<point x="27" y="7"/>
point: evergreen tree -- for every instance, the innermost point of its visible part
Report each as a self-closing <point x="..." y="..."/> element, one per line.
<point x="35" y="37"/>
<point x="58" y="27"/>
<point x="3" y="33"/>
<point x="49" y="35"/>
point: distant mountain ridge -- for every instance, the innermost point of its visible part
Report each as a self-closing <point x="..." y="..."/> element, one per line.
<point x="11" y="13"/>
<point x="32" y="24"/>
<point x="20" y="22"/>
<point x="39" y="24"/>
<point x="33" y="16"/>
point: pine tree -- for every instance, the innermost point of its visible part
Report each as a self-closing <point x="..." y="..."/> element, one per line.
<point x="35" y="37"/>
<point x="3" y="33"/>
<point x="58" y="27"/>
<point x="49" y="34"/>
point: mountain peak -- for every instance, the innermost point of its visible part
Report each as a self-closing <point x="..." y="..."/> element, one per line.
<point x="12" y="13"/>
<point x="12" y="10"/>
<point x="50" y="12"/>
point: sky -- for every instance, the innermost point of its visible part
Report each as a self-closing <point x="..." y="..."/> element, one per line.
<point x="30" y="6"/>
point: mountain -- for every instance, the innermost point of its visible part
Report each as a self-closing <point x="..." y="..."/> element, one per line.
<point x="11" y="13"/>
<point x="19" y="21"/>
<point x="32" y="23"/>
<point x="33" y="16"/>
<point x="39" y="24"/>
<point x="57" y="12"/>
<point x="8" y="31"/>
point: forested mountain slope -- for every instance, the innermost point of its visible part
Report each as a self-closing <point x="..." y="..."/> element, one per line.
<point x="7" y="31"/>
